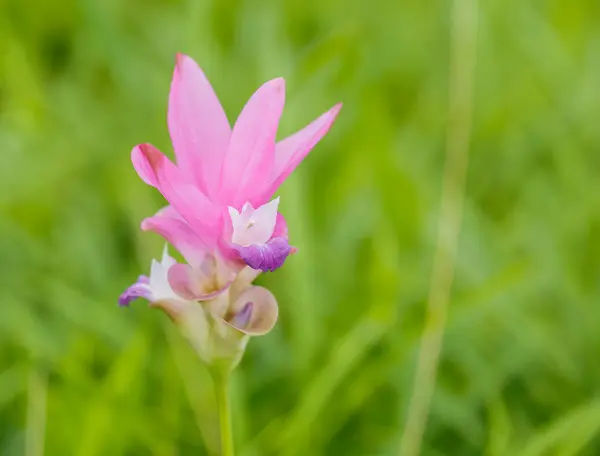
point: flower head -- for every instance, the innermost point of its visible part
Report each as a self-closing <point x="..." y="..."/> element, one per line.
<point x="221" y="216"/>
<point x="217" y="322"/>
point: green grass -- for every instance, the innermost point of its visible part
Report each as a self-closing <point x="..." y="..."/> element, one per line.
<point x="82" y="81"/>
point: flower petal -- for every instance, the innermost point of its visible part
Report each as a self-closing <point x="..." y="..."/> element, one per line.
<point x="255" y="311"/>
<point x="193" y="284"/>
<point x="170" y="225"/>
<point x="140" y="289"/>
<point x="193" y="206"/>
<point x="158" y="282"/>
<point x="250" y="156"/>
<point x="266" y="257"/>
<point x="245" y="277"/>
<point x="142" y="167"/>
<point x="292" y="150"/>
<point x="254" y="226"/>
<point x="198" y="125"/>
<point x="242" y="318"/>
<point x="281" y="228"/>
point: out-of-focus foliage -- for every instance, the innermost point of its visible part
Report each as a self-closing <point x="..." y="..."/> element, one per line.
<point x="82" y="81"/>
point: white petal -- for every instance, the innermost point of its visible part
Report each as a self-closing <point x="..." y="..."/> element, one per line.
<point x="234" y="214"/>
<point x="254" y="226"/>
<point x="159" y="283"/>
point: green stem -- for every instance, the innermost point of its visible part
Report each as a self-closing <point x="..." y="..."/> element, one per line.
<point x="221" y="382"/>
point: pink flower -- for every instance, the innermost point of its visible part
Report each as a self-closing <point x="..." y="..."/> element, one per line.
<point x="223" y="174"/>
<point x="221" y="216"/>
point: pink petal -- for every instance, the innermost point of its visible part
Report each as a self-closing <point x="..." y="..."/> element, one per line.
<point x="142" y="167"/>
<point x="198" y="125"/>
<point x="193" y="206"/>
<point x="281" y="231"/>
<point x="171" y="226"/>
<point x="250" y="156"/>
<point x="281" y="228"/>
<point x="192" y="284"/>
<point x="292" y="150"/>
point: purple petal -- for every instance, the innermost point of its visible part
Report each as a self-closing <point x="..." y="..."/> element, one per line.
<point x="242" y="318"/>
<point x="139" y="289"/>
<point x="266" y="257"/>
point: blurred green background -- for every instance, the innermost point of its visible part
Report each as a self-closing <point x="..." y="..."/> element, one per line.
<point x="82" y="81"/>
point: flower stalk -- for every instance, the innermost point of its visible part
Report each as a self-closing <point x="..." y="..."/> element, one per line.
<point x="221" y="384"/>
